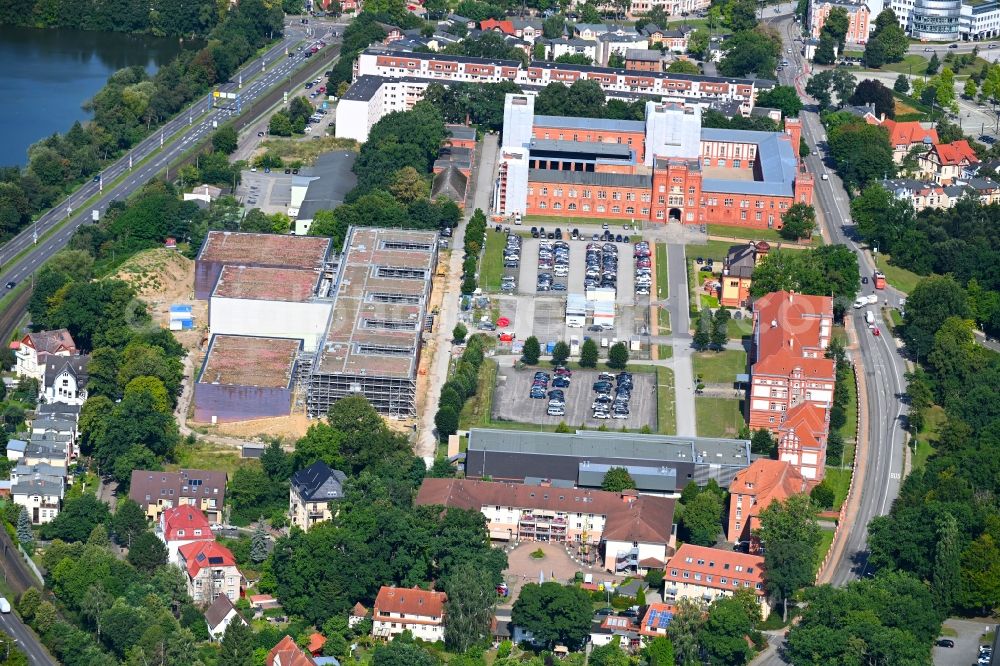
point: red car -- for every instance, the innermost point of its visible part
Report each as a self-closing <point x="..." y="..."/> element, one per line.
<point x="875" y="332"/>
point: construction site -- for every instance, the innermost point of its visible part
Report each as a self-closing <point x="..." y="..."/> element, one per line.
<point x="312" y="326"/>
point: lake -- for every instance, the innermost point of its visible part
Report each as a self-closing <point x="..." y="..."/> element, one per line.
<point x="47" y="75"/>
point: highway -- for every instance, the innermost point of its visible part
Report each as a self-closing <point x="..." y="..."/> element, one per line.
<point x="183" y="130"/>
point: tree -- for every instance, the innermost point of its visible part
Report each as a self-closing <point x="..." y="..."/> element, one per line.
<point x="724" y="634"/>
<point x="750" y="52"/>
<point x="946" y="579"/>
<point x="933" y="65"/>
<point x="258" y="542"/>
<point x="147" y="552"/>
<point x="720" y="328"/>
<point x="24" y="534"/>
<point x="799" y="221"/>
<point x="472" y="596"/>
<point x="532" y="350"/>
<point x="77" y="519"/>
<point x="822" y="495"/>
<point x="238" y="645"/>
<point x="554" y="613"/>
<point x="902" y="84"/>
<point x="698" y="41"/>
<point x="825" y="53"/>
<point x="763" y="443"/>
<point x="225" y="140"/>
<point x="446" y="422"/>
<point x="836" y="25"/>
<point x="702" y="519"/>
<point x="610" y="654"/>
<point x="129" y="522"/>
<point x="617" y="479"/>
<point x="683" y="67"/>
<point x="459" y="332"/>
<point x="659" y="652"/>
<point x="408" y="185"/>
<point x="553" y="27"/>
<point x="618" y="356"/>
<point x="790" y="535"/>
<point x="402" y="651"/>
<point x="741" y="15"/>
<point x="862" y="153"/>
<point x="589" y="354"/>
<point x="873" y="92"/>
<point x="931" y="302"/>
<point x="683" y="631"/>
<point x="560" y="352"/>
<point x="703" y="330"/>
<point x="785" y="98"/>
<point x="818" y="87"/>
<point x="888" y="42"/>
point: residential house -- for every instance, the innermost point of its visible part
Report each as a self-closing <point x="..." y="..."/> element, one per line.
<point x="262" y="602"/>
<point x="47" y="449"/>
<point x="636" y="531"/>
<point x="312" y="492"/>
<point x="591" y="31"/>
<point x="15" y="449"/>
<point x="530" y="30"/>
<point x="504" y="27"/>
<point x="921" y="194"/>
<point x="802" y="438"/>
<point x="645" y="60"/>
<point x="984" y="190"/>
<point x="737" y="272"/>
<point x="66" y="380"/>
<point x="287" y="653"/>
<point x="399" y="609"/>
<point x="33" y="351"/>
<point x="220" y="615"/>
<point x="571" y="46"/>
<point x="181" y="525"/>
<point x="392" y="33"/>
<point x="22" y="473"/>
<point x="655" y="620"/>
<point x="56" y="429"/>
<point x="42" y="496"/>
<point x="705" y="574"/>
<point x="948" y="162"/>
<point x="156" y="491"/>
<point x="754" y="489"/>
<point x="858" y="15"/>
<point x="358" y="613"/>
<point x="210" y="570"/>
<point x="905" y="136"/>
<point x="59" y="409"/>
<point x="618" y="42"/>
<point x="625" y="629"/>
<point x="316" y="643"/>
<point x="791" y="334"/>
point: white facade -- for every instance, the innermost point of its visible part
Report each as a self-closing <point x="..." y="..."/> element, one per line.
<point x="42" y="499"/>
<point x="636" y="552"/>
<point x="357" y="113"/>
<point x="980" y="21"/>
<point x="270" y="319"/>
<point x="219" y="630"/>
<point x="560" y="47"/>
<point x="66" y="389"/>
<point x="420" y="626"/>
<point x="671" y="7"/>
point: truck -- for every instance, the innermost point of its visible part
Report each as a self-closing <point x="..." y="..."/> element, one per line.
<point x="878" y="278"/>
<point x="870" y="318"/>
<point x="862" y="301"/>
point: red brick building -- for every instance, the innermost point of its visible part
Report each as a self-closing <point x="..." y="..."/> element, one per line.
<point x="792" y="381"/>
<point x="664" y="168"/>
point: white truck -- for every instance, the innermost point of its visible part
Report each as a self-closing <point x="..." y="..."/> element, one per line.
<point x="862" y="301"/>
<point x="870" y="318"/>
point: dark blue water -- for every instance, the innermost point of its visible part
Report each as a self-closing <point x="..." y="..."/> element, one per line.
<point x="46" y="75"/>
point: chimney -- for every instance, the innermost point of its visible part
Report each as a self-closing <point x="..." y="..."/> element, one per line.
<point x="774" y="323"/>
<point x="791" y="296"/>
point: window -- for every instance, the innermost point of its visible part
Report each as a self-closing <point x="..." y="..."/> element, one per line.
<point x="557" y="192"/>
<point x="743" y="215"/>
<point x="736" y="164"/>
<point x="557" y="205"/>
<point x="586" y="207"/>
<point x="616" y="209"/>
<point x="571" y="206"/>
<point x="602" y="194"/>
<point x="601" y="208"/>
<point x="728" y="203"/>
<point x="645" y="211"/>
<point x="616" y="196"/>
<point x="542" y="204"/>
<point x="586" y="194"/>
<point x="630" y="210"/>
<point x="697" y="576"/>
<point x="721" y="162"/>
<point x="687" y="574"/>
<point x="630" y="196"/>
<point x="757" y="216"/>
<point x="545" y="192"/>
<point x="646" y="197"/>
<point x="572" y="194"/>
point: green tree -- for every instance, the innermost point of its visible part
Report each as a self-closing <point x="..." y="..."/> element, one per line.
<point x="822" y="495"/>
<point x="24" y="534"/>
<point x="659" y="652"/>
<point x="785" y="98"/>
<point x="77" y="519"/>
<point x="683" y="67"/>
<point x="532" y="350"/>
<point x="238" y="645"/>
<point x="724" y="633"/>
<point x="684" y="629"/>
<point x="764" y="444"/>
<point x="560" y="353"/>
<point x="933" y="65"/>
<point x="610" y="654"/>
<point x="618" y="356"/>
<point x="946" y="580"/>
<point x="720" y="328"/>
<point x="902" y="84"/>
<point x="945" y="87"/>
<point x="225" y="140"/>
<point x="790" y="536"/>
<point x="931" y="302"/>
<point x="553" y="27"/>
<point x="589" y="354"/>
<point x="258" y="542"/>
<point x="617" y="479"/>
<point x="888" y="42"/>
<point x="698" y="41"/>
<point x="703" y="330"/>
<point x="472" y="598"/>
<point x="408" y="185"/>
<point x="459" y="332"/>
<point x="702" y="519"/>
<point x="554" y="613"/>
<point x="971" y="88"/>
<point x="280" y="124"/>
<point x="446" y="422"/>
<point x="741" y="15"/>
<point x="750" y="52"/>
<point x="402" y="651"/>
<point x="129" y="521"/>
<point x="799" y="221"/>
<point x="147" y="552"/>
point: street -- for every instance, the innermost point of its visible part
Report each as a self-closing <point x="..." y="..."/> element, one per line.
<point x="183" y="130"/>
<point x="26" y="640"/>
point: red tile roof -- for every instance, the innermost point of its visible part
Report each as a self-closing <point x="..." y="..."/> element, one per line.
<point x="787" y="324"/>
<point x="202" y="554"/>
<point x="182" y="523"/>
<point x="506" y="27"/>
<point x="316" y="643"/>
<point x="955" y="153"/>
<point x="287" y="653"/>
<point x="807" y="421"/>
<point x="359" y="610"/>
<point x="410" y="602"/>
<point x="908" y="133"/>
<point x="717" y="564"/>
<point x="767" y="481"/>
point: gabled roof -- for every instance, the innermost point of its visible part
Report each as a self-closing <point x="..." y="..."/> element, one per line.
<point x="219" y="610"/>
<point x="786" y="324"/>
<point x="75" y="366"/>
<point x="319" y="483"/>
<point x="955" y="153"/>
<point x="287" y="653"/>
<point x="807" y="422"/>
<point x="506" y="27"/>
<point x="202" y="554"/>
<point x="410" y="601"/>
<point x="181" y="522"/>
<point x="909" y="132"/>
<point x="767" y="481"/>
<point x="717" y="564"/>
<point x="359" y="610"/>
<point x="450" y="183"/>
<point x="50" y="342"/>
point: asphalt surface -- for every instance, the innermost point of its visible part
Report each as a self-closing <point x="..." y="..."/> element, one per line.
<point x="269" y="70"/>
<point x="26" y="640"/>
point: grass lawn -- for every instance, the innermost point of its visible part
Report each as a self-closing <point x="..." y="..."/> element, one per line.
<point x="933" y="421"/>
<point x="739" y="328"/>
<point x="86" y="483"/>
<point x="719" y="367"/>
<point x="666" y="406"/>
<point x="663" y="320"/>
<point x="718" y="417"/>
<point x="911" y="64"/>
<point x="826" y="539"/>
<point x="900" y="278"/>
<point x="477" y="409"/>
<point x="664" y="351"/>
<point x="896" y="317"/>
<point x="839" y="481"/>
<point x="205" y="455"/>
<point x="662" y="285"/>
<point x="850" y="429"/>
<point x="492" y="269"/>
<point x="742" y="233"/>
<point x="567" y="222"/>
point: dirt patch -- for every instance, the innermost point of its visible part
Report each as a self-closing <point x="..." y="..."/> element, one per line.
<point x="289" y="428"/>
<point x="305" y="149"/>
<point x="163" y="278"/>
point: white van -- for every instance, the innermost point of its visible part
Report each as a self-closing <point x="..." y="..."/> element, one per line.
<point x="869" y="317"/>
<point x="4" y="605"/>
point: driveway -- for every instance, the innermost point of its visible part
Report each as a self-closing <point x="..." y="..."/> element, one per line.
<point x="556" y="565"/>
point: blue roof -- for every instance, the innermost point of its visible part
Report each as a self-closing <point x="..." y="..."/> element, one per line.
<point x="774" y="156"/>
<point x="606" y="124"/>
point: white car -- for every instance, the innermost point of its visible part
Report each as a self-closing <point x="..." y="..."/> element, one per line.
<point x="825" y="177"/>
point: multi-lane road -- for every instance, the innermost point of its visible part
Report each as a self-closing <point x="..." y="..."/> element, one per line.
<point x="147" y="159"/>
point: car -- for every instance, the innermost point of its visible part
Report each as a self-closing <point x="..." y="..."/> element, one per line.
<point x="11" y="284"/>
<point x="309" y="85"/>
<point x="253" y="169"/>
<point x="288" y="171"/>
<point x="557" y="393"/>
<point x="602" y="414"/>
<point x="596" y="238"/>
<point x="992" y="45"/>
<point x="541" y="374"/>
<point x="876" y="332"/>
<point x="555" y="411"/>
<point x="602" y="386"/>
<point x="536" y="395"/>
<point x="625" y="239"/>
<point x="945" y="643"/>
<point x="953" y="46"/>
<point x="824" y="177"/>
<point x="296" y="171"/>
<point x="928" y="49"/>
<point x="864" y="280"/>
<point x="604" y="612"/>
<point x="561" y="382"/>
<point x="699" y="261"/>
<point x="595" y="328"/>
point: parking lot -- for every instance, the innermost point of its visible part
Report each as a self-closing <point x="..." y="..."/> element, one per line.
<point x="527" y="273"/>
<point x="511" y="401"/>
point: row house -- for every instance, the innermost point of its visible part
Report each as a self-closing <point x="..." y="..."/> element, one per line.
<point x="791" y="334"/>
<point x="927" y="194"/>
<point x="399" y="609"/>
<point x="704" y="574"/>
<point x="636" y="532"/>
<point x="753" y="489"/>
<point x="639" y="8"/>
<point x="40" y="494"/>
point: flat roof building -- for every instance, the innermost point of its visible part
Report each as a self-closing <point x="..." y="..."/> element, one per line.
<point x="245" y="377"/>
<point x="660" y="464"/>
<point x="372" y="343"/>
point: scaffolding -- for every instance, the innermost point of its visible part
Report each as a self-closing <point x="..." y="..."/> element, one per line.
<point x="393" y="396"/>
